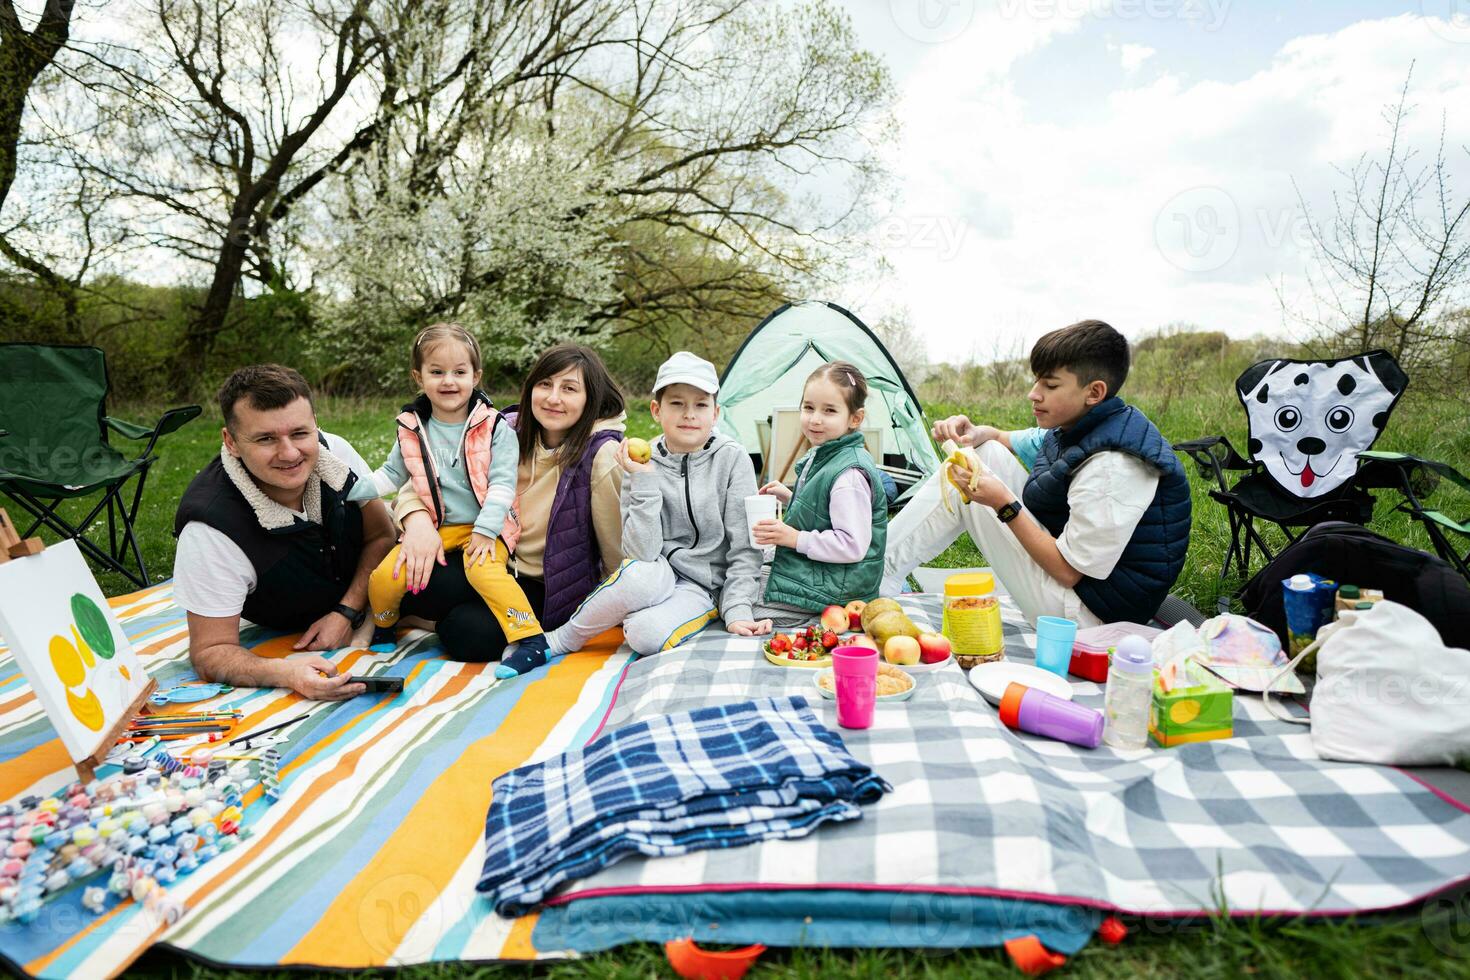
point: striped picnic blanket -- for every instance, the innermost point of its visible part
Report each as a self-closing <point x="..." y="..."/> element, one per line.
<point x="371" y="854"/>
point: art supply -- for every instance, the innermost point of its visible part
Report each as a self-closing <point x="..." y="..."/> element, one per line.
<point x="1129" y="694"/>
<point x="971" y="619"/>
<point x="270" y="774"/>
<point x="855" y="675"/>
<point x="266" y="731"/>
<point x="1308" y="600"/>
<point x="190" y="693"/>
<point x="1029" y="710"/>
<point x="1054" y="638"/>
<point x="760" y="507"/>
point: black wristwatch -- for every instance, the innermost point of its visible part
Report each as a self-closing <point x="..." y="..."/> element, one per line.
<point x="1008" y="512"/>
<point x="354" y="616"/>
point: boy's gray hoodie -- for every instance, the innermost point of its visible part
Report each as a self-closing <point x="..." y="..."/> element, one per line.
<point x="691" y="510"/>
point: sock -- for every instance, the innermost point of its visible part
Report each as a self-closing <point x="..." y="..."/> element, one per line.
<point x="385" y="639"/>
<point x="529" y="654"/>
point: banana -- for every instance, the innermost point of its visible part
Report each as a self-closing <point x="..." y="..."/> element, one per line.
<point x="963" y="458"/>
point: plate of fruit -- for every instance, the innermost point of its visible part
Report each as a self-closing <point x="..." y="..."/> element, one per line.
<point x="810" y="646"/>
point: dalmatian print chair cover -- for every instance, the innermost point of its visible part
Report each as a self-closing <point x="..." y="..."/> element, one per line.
<point x="1309" y="419"/>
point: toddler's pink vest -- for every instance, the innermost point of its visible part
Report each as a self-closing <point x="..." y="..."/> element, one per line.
<point x="478" y="429"/>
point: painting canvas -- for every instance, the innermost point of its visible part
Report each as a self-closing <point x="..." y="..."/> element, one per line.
<point x="68" y="644"/>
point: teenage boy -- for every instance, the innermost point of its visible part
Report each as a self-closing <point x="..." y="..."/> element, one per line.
<point x="1098" y="531"/>
<point x="686" y="541"/>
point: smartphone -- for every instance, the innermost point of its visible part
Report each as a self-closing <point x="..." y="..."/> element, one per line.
<point x="379" y="685"/>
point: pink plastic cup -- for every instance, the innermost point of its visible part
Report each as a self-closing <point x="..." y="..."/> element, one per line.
<point x="855" y="677"/>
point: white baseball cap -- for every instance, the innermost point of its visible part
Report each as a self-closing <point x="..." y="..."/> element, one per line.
<point x="685" y="368"/>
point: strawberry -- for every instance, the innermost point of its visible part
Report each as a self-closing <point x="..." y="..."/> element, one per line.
<point x="800" y="643"/>
<point x="829" y="640"/>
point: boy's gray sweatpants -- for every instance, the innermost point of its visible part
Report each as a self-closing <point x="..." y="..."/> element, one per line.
<point x="657" y="610"/>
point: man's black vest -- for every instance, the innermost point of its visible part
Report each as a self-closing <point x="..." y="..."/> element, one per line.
<point x="302" y="569"/>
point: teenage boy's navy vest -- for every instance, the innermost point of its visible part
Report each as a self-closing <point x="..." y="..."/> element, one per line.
<point x="1154" y="556"/>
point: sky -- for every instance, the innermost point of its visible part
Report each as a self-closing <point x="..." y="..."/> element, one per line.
<point x="1137" y="161"/>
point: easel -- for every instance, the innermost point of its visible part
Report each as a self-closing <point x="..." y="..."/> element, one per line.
<point x="12" y="547"/>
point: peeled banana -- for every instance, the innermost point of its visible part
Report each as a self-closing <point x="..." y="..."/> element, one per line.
<point x="961" y="457"/>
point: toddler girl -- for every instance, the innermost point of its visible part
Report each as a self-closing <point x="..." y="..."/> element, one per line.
<point x="460" y="455"/>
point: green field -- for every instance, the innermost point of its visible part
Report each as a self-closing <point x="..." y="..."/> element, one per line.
<point x="1434" y="942"/>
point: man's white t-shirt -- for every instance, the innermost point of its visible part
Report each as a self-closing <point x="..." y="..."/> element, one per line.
<point x="212" y="576"/>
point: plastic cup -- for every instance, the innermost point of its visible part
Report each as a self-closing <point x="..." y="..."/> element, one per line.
<point x="760" y="507"/>
<point x="855" y="677"/>
<point x="1054" y="639"/>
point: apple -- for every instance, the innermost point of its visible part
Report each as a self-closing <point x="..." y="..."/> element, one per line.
<point x="639" y="451"/>
<point x="901" y="650"/>
<point x="780" y="643"/>
<point x="855" y="614"/>
<point x="835" y="618"/>
<point x="933" y="647"/>
<point x="862" y="640"/>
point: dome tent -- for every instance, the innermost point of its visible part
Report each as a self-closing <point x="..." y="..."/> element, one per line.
<point x="768" y="371"/>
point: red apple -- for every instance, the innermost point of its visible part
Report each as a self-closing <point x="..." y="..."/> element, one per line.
<point x="862" y="640"/>
<point x="933" y="647"/>
<point x="855" y="614"/>
<point x="835" y="618"/>
<point x="901" y="650"/>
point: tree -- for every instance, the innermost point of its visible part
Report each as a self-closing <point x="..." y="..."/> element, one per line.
<point x="1394" y="255"/>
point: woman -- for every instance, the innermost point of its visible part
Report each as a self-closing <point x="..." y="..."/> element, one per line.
<point x="568" y="483"/>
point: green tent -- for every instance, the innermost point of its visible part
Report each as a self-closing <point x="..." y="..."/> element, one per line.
<point x="762" y="384"/>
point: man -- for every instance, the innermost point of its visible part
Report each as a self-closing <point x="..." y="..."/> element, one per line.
<point x="266" y="532"/>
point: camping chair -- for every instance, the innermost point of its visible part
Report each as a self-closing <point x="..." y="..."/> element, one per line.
<point x="54" y="446"/>
<point x="1300" y="412"/>
<point x="1417" y="479"/>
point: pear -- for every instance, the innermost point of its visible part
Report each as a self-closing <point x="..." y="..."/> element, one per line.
<point x="890" y="624"/>
<point x="875" y="609"/>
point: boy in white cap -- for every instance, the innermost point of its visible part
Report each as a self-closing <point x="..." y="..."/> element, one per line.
<point x="686" y="543"/>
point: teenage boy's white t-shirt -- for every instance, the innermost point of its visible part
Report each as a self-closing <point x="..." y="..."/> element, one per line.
<point x="212" y="576"/>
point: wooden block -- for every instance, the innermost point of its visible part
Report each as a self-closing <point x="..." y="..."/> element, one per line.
<point x="30" y="546"/>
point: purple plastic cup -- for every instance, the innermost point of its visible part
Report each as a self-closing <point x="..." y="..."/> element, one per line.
<point x="855" y="679"/>
<point x="1040" y="713"/>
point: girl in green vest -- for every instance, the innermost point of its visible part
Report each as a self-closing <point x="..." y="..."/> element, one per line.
<point x="829" y="548"/>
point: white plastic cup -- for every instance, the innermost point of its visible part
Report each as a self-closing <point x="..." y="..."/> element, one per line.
<point x="760" y="507"/>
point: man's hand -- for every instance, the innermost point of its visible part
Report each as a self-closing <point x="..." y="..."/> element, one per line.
<point x="746" y="627"/>
<point x="958" y="428"/>
<point x="331" y="632"/>
<point x="318" y="680"/>
<point x="481" y="547"/>
<point x="771" y="531"/>
<point x="419" y="551"/>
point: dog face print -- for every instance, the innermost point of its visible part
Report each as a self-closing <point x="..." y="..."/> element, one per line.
<point x="1310" y="419"/>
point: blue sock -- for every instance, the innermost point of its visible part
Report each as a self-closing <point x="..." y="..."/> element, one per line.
<point x="530" y="653"/>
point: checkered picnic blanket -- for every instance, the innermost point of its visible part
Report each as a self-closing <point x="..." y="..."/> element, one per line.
<point x="715" y="777"/>
<point x="1256" y="823"/>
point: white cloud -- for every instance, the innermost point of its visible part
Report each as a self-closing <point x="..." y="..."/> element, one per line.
<point x="1132" y="56"/>
<point x="1174" y="201"/>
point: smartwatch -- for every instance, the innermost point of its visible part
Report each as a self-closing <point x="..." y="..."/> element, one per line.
<point x="354" y="616"/>
<point x="1008" y="512"/>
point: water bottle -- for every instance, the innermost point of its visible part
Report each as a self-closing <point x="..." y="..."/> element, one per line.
<point x="1129" y="694"/>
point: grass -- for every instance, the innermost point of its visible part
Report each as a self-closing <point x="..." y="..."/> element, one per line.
<point x="1434" y="942"/>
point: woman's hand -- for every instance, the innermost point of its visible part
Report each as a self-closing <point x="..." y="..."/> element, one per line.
<point x="771" y="531"/>
<point x="419" y="550"/>
<point x="746" y="627"/>
<point x="778" y="490"/>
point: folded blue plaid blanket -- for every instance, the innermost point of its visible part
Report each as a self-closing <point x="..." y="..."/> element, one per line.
<point x="714" y="777"/>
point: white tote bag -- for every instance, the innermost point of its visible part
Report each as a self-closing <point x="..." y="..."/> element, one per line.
<point x="1389" y="691"/>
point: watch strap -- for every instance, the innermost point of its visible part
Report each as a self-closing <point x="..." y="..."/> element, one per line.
<point x="1009" y="512"/>
<point x="354" y="616"/>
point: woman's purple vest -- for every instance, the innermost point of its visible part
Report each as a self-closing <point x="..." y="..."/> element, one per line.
<point x="572" y="566"/>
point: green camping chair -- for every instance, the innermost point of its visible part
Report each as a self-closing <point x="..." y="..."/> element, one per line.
<point x="1417" y="479"/>
<point x="53" y="446"/>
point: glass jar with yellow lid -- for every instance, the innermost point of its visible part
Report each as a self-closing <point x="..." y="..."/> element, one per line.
<point x="972" y="618"/>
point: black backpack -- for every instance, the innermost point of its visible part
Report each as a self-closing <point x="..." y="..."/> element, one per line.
<point x="1350" y="554"/>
